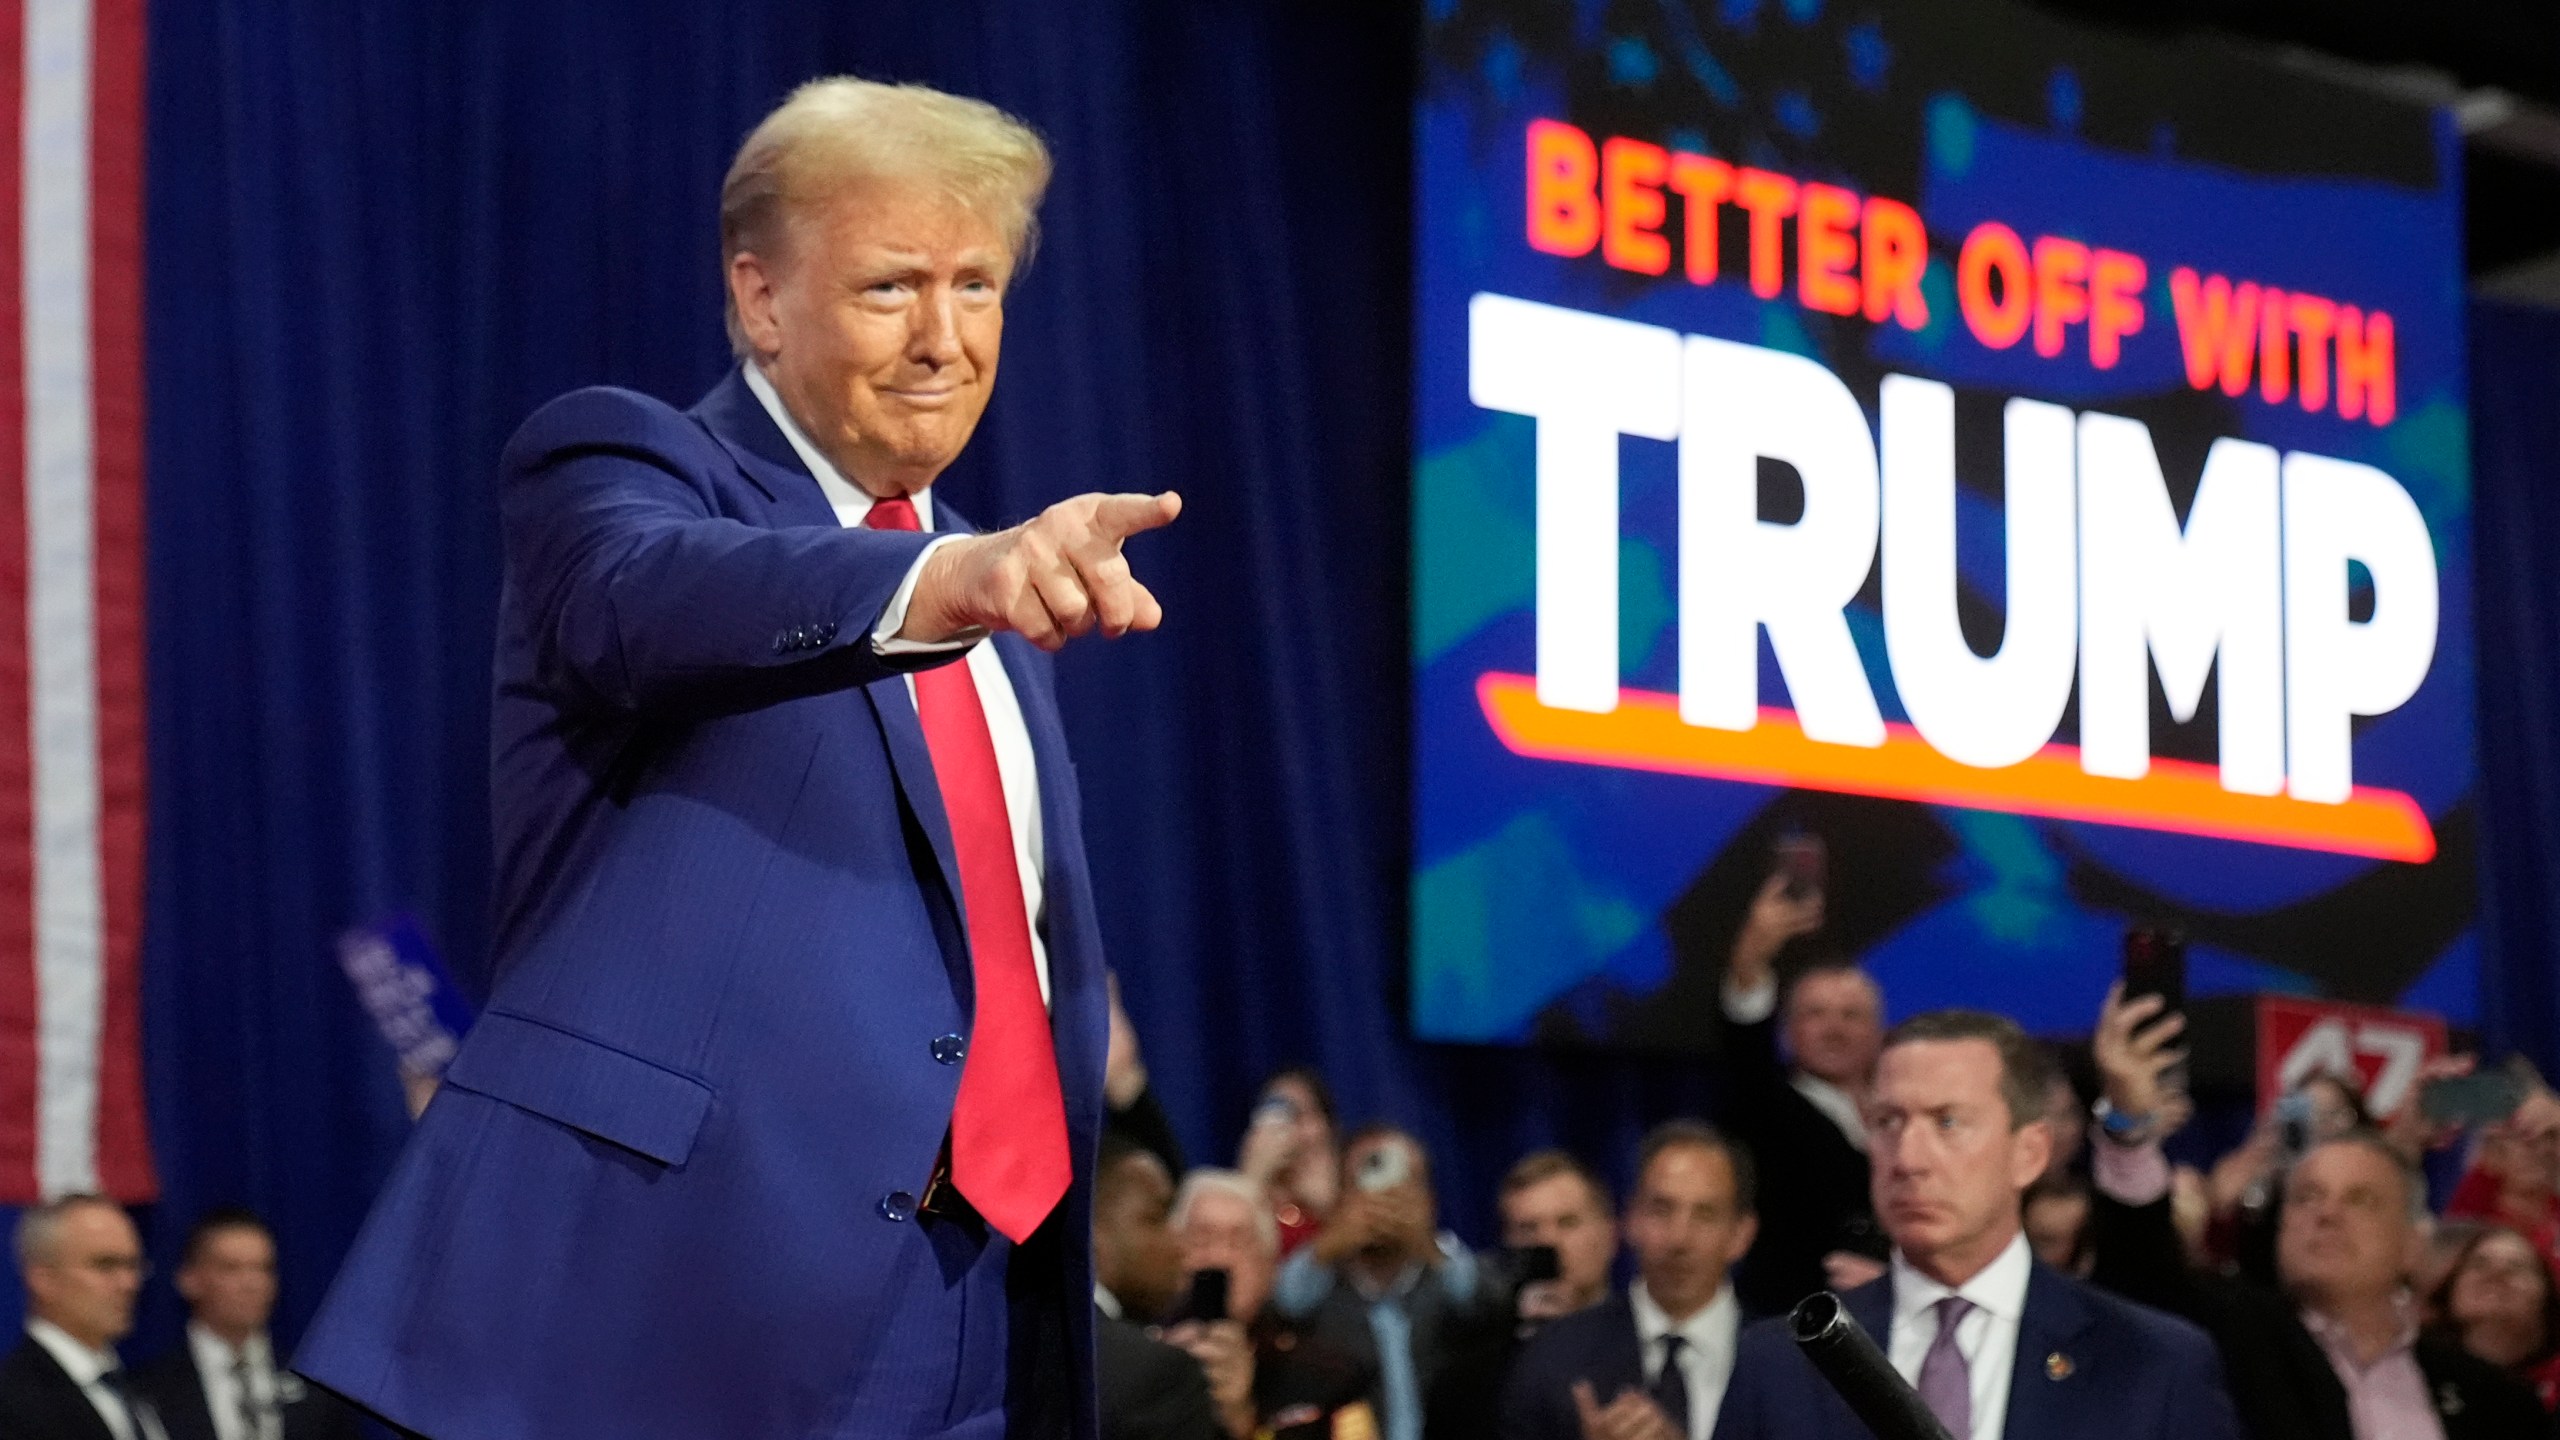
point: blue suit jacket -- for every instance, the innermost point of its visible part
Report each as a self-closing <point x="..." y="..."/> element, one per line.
<point x="651" y="1199"/>
<point x="2088" y="1365"/>
<point x="1597" y="1345"/>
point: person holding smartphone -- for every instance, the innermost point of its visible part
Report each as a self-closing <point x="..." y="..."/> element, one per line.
<point x="1384" y="1282"/>
<point x="1798" y="1106"/>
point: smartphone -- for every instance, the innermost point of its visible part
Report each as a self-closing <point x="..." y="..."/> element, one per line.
<point x="2484" y="1097"/>
<point x="1534" y="1264"/>
<point x="2155" y="963"/>
<point x="1208" y="1298"/>
<point x="2293" y="1126"/>
<point x="1384" y="1168"/>
<point x="1805" y="862"/>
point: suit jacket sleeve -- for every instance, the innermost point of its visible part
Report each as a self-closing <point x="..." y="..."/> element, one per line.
<point x="640" y="595"/>
<point x="2139" y="1257"/>
<point x="2200" y="1405"/>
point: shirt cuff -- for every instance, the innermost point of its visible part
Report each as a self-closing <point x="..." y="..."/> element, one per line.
<point x="884" y="636"/>
<point x="2133" y="1175"/>
<point x="1750" y="1007"/>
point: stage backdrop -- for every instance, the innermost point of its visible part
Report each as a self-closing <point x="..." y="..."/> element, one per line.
<point x="377" y="239"/>
<point x="2030" y="460"/>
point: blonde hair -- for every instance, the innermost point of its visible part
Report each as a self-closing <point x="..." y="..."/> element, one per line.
<point x="835" y="132"/>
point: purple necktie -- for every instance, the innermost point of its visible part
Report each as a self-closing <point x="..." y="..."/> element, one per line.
<point x="1945" y="1386"/>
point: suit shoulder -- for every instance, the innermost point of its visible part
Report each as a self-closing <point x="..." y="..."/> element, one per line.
<point x="2181" y="1339"/>
<point x="1567" y="1339"/>
<point x="603" y="417"/>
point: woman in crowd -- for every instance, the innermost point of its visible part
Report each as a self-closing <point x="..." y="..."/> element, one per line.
<point x="2498" y="1302"/>
<point x="1290" y="1149"/>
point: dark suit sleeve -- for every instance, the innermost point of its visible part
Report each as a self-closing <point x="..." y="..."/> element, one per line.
<point x="1744" y="1414"/>
<point x="1536" y="1401"/>
<point x="640" y="596"/>
<point x="1150" y="1390"/>
<point x="2138" y="1257"/>
<point x="2199" y="1405"/>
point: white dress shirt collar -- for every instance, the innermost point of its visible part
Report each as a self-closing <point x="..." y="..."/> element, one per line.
<point x="1837" y="1105"/>
<point x="1987" y="1336"/>
<point x="1711" y="1337"/>
<point x="88" y="1369"/>
<point x="1105" y="1301"/>
<point x="850" y="501"/>
<point x="215" y="1357"/>
<point x="78" y="1361"/>
<point x="1999" y="1289"/>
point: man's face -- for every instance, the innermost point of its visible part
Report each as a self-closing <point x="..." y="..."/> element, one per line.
<point x="1687" y="1227"/>
<point x="1835" y="1025"/>
<point x="2346" y="1235"/>
<point x="1948" y="1164"/>
<point x="879" y="325"/>
<point x="1220" y="1231"/>
<point x="1562" y="1211"/>
<point x="87" y="1284"/>
<point x="1135" y="1255"/>
<point x="230" y="1285"/>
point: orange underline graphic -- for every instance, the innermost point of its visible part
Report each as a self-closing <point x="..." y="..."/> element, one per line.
<point x="1646" y="732"/>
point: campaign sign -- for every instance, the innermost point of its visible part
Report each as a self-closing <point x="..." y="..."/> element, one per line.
<point x="2029" y="458"/>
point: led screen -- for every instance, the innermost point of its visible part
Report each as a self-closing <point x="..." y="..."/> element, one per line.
<point x="2030" y="459"/>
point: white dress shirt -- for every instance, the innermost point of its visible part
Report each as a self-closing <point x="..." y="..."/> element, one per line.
<point x="1706" y="1361"/>
<point x="1987" y="1337"/>
<point x="220" y="1369"/>
<point x="1014" y="764"/>
<point x="88" y="1369"/>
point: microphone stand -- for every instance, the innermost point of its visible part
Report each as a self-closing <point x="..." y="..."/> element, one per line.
<point x="1847" y="1357"/>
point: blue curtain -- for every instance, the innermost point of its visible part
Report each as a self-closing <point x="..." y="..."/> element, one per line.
<point x="2515" y="439"/>
<point x="379" y="235"/>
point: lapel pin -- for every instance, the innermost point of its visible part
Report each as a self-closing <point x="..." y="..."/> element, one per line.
<point x="2058" y="1366"/>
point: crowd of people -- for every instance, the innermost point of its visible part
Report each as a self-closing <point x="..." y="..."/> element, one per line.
<point x="2018" y="1243"/>
<point x="82" y="1262"/>
<point x="2021" y="1247"/>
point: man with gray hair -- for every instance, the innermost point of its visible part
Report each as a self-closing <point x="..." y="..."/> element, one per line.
<point x="2334" y="1350"/>
<point x="81" y="1260"/>
<point x="781" y="1118"/>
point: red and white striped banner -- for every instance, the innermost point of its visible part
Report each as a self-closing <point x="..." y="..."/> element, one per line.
<point x="71" y="640"/>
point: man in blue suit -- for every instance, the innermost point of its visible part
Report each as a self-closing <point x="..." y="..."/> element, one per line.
<point x="1997" y="1344"/>
<point x="780" y="1121"/>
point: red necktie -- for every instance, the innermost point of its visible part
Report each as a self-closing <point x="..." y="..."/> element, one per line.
<point x="1009" y="1126"/>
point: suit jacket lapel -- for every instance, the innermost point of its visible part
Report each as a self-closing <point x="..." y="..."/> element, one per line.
<point x="2040" y="1379"/>
<point x="739" y="421"/>
<point x="1871" y="1305"/>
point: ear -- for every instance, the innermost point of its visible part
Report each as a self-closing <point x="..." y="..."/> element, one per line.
<point x="752" y="292"/>
<point x="1744" y="1232"/>
<point x="2030" y="1150"/>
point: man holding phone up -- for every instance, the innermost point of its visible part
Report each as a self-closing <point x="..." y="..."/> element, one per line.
<point x="1382" y="1282"/>
<point x="1801" y="1114"/>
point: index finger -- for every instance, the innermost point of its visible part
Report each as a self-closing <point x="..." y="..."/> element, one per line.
<point x="1127" y="515"/>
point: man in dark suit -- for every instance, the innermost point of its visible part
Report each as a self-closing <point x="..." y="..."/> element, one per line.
<point x="1150" y="1390"/>
<point x="2336" y="1353"/>
<point x="799" y="1014"/>
<point x="1801" y="1118"/>
<point x="222" y="1382"/>
<point x="81" y="1261"/>
<point x="1653" y="1362"/>
<point x="1996" y="1344"/>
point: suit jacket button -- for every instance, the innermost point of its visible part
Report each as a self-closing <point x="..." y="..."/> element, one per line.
<point x="897" y="1207"/>
<point x="949" y="1049"/>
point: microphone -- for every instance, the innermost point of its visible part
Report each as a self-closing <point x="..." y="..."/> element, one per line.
<point x="1847" y="1356"/>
